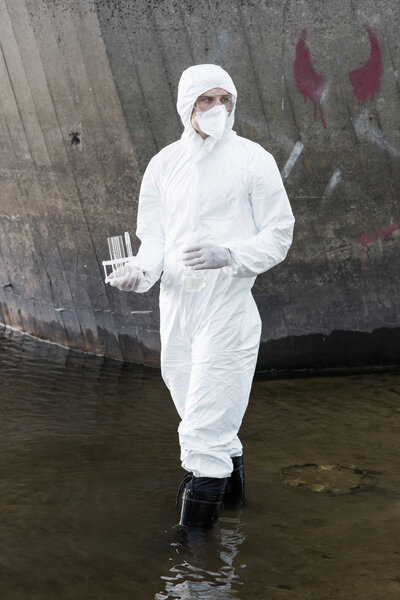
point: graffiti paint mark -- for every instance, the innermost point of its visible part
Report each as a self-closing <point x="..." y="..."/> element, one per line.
<point x="370" y="236"/>
<point x="365" y="80"/>
<point x="365" y="130"/>
<point x="333" y="182"/>
<point x="294" y="155"/>
<point x="309" y="83"/>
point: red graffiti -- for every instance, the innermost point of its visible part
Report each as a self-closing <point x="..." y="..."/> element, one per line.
<point x="309" y="83"/>
<point x="370" y="236"/>
<point x="365" y="80"/>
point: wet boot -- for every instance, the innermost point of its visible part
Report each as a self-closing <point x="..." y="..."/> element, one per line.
<point x="201" y="501"/>
<point x="234" y="491"/>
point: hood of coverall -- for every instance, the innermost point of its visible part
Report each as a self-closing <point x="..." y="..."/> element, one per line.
<point x="195" y="81"/>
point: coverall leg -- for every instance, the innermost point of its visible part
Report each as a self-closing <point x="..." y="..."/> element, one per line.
<point x="208" y="365"/>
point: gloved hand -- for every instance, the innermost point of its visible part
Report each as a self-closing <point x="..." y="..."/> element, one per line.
<point x="206" y="256"/>
<point x="126" y="278"/>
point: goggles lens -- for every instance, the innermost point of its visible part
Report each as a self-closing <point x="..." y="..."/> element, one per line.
<point x="205" y="102"/>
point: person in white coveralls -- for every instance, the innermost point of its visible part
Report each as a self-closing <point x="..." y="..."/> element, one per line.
<point x="213" y="214"/>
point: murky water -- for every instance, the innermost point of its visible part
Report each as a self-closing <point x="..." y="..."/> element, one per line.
<point x="89" y="469"/>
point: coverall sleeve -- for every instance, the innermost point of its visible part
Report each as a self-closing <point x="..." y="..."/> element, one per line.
<point x="273" y="218"/>
<point x="149" y="230"/>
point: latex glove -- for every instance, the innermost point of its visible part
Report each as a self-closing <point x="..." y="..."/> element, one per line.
<point x="126" y="278"/>
<point x="206" y="256"/>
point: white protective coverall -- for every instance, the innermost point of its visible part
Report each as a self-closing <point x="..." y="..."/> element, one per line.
<point x="227" y="192"/>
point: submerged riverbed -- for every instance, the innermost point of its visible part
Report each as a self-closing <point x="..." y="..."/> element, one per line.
<point x="89" y="464"/>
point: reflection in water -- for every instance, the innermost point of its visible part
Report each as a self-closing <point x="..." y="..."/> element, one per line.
<point x="204" y="567"/>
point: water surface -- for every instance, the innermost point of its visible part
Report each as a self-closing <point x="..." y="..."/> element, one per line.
<point x="89" y="470"/>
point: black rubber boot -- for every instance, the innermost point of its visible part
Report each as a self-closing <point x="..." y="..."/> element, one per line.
<point x="234" y="490"/>
<point x="201" y="501"/>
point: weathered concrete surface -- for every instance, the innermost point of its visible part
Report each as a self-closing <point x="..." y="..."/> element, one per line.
<point x="88" y="92"/>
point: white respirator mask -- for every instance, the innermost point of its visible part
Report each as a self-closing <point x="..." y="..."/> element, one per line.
<point x="213" y="121"/>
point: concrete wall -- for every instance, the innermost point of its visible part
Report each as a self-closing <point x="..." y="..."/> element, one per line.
<point x="88" y="91"/>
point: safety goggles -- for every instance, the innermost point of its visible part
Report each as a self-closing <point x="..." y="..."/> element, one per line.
<point x="205" y="102"/>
